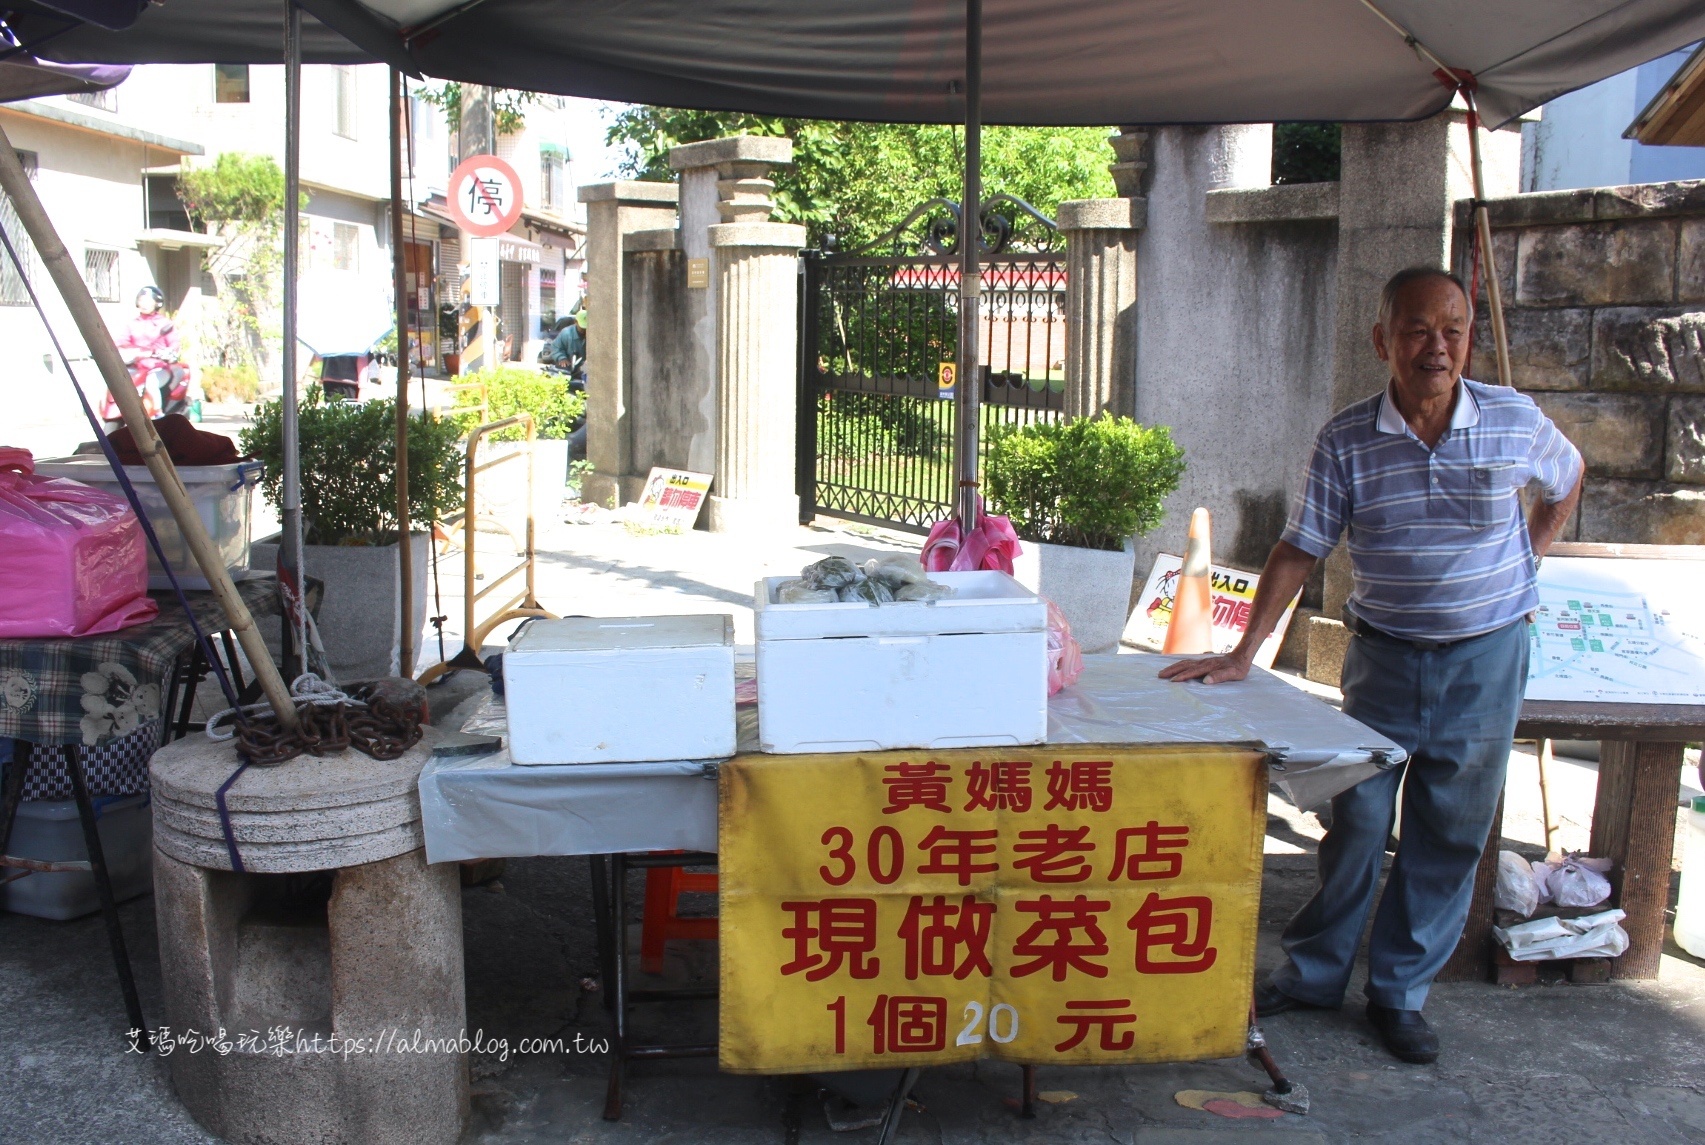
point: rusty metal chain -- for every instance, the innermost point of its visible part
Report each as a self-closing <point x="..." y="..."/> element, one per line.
<point x="384" y="720"/>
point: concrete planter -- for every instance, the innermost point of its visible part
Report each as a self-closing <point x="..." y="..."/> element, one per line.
<point x="359" y="621"/>
<point x="1091" y="586"/>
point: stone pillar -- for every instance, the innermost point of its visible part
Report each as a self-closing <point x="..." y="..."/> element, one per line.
<point x="1101" y="304"/>
<point x="612" y="211"/>
<point x="740" y="162"/>
<point x="1397" y="187"/>
<point x="755" y="265"/>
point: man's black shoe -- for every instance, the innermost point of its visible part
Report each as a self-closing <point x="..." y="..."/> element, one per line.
<point x="1270" y="1000"/>
<point x="1405" y="1033"/>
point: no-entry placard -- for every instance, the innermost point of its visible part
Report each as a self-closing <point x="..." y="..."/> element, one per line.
<point x="1042" y="905"/>
<point x="485" y="195"/>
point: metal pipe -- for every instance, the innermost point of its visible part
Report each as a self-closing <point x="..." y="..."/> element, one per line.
<point x="67" y="277"/>
<point x="399" y="261"/>
<point x="290" y="544"/>
<point x="968" y="381"/>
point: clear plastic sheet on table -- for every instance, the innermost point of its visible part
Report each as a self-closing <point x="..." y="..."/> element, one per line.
<point x="1317" y="750"/>
<point x="487" y="807"/>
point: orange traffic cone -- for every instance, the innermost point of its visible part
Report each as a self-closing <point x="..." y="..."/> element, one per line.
<point x="1191" y="629"/>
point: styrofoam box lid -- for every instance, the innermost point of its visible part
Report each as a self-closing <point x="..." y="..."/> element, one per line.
<point x="92" y="468"/>
<point x="985" y="601"/>
<point x="625" y="634"/>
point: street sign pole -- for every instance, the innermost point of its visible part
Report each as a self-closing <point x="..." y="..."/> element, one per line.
<point x="477" y="135"/>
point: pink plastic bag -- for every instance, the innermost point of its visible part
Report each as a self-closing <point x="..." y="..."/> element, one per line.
<point x="73" y="560"/>
<point x="992" y="545"/>
<point x="1065" y="658"/>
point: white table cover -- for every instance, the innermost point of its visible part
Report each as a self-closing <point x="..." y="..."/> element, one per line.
<point x="488" y="807"/>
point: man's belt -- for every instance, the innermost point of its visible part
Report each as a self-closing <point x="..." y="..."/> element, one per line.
<point x="1362" y="628"/>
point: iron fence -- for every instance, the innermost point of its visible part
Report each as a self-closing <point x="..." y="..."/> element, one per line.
<point x="879" y="338"/>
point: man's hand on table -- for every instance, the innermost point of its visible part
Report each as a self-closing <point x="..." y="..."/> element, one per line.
<point x="1209" y="669"/>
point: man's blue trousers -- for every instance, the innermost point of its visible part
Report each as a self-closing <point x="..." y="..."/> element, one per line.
<point x="1454" y="710"/>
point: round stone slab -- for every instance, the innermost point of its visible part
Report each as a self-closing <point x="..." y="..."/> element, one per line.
<point x="310" y="814"/>
<point x="289" y="858"/>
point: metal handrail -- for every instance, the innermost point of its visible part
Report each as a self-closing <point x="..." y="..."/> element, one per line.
<point x="524" y="603"/>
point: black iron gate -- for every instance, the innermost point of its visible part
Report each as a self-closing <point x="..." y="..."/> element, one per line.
<point x="878" y="341"/>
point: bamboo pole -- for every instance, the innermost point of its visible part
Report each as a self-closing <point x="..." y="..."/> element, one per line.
<point x="968" y="393"/>
<point x="75" y="292"/>
<point x="1483" y="226"/>
<point x="290" y="491"/>
<point x="399" y="266"/>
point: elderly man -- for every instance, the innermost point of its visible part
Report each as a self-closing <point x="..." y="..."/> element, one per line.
<point x="1425" y="477"/>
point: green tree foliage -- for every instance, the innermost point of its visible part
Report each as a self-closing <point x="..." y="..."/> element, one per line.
<point x="1305" y="152"/>
<point x="510" y="390"/>
<point x="349" y="473"/>
<point x="508" y="108"/>
<point x="238" y="189"/>
<point x="240" y="197"/>
<point x="856" y="180"/>
<point x="1092" y="482"/>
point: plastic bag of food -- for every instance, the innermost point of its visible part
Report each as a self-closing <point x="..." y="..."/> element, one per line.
<point x="72" y="558"/>
<point x="868" y="591"/>
<point x="801" y="591"/>
<point x="1580" y="881"/>
<point x="1065" y="658"/>
<point x="1516" y="888"/>
<point x="929" y="591"/>
<point x="830" y="572"/>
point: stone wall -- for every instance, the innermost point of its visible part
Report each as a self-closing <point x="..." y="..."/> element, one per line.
<point x="1604" y="298"/>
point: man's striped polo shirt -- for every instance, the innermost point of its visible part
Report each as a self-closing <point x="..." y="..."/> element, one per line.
<point x="1438" y="543"/>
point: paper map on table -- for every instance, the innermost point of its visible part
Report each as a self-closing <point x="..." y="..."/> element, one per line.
<point x="1619" y="630"/>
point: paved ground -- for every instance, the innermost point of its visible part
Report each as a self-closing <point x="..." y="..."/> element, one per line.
<point x="1554" y="1064"/>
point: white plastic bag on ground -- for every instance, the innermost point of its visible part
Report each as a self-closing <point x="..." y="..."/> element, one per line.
<point x="1579" y="882"/>
<point x="1516" y="889"/>
<point x="1590" y="936"/>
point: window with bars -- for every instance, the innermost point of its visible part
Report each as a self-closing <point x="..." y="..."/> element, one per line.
<point x="100" y="271"/>
<point x="13" y="285"/>
<point x="343" y="100"/>
<point x="230" y="83"/>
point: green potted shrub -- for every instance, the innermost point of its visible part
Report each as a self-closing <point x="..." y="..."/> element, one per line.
<point x="349" y="521"/>
<point x="1078" y="493"/>
<point x="511" y="389"/>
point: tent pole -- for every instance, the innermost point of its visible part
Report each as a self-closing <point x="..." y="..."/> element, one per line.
<point x="68" y="278"/>
<point x="1483" y="226"/>
<point x="968" y="390"/>
<point x="399" y="263"/>
<point x="290" y="547"/>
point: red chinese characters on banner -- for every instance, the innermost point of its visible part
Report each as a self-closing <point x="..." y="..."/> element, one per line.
<point x="1065" y="936"/>
<point x="844" y="930"/>
<point x="917" y="785"/>
<point x="1085" y="785"/>
<point x="943" y="937"/>
<point x="957" y="853"/>
<point x="1054" y="854"/>
<point x="906" y="1024"/>
<point x="1105" y="1016"/>
<point x="1148" y="852"/>
<point x="997" y="787"/>
<point x="1180" y="926"/>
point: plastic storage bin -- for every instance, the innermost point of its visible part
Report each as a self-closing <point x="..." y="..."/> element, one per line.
<point x="626" y="690"/>
<point x="1690" y="904"/>
<point x="51" y="831"/>
<point x="221" y="493"/>
<point x="968" y="671"/>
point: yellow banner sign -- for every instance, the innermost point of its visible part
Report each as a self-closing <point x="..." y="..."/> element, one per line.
<point x="1049" y="906"/>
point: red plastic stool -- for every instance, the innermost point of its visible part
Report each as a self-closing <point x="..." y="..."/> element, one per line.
<point x="663" y="889"/>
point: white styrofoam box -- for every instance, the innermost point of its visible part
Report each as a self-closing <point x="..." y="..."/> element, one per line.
<point x="220" y="493"/>
<point x="967" y="671"/>
<point x="621" y="690"/>
<point x="51" y="830"/>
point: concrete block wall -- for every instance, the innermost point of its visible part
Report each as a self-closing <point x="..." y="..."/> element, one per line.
<point x="1604" y="296"/>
